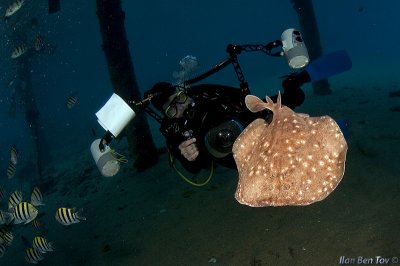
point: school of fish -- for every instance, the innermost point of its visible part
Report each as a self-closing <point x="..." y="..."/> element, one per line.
<point x="24" y="212"/>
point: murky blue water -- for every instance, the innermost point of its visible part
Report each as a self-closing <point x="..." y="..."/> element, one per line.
<point x="154" y="217"/>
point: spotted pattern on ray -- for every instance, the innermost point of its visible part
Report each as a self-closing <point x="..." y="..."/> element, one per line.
<point x="294" y="160"/>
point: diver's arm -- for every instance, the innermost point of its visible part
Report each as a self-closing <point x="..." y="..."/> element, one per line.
<point x="195" y="166"/>
<point x="200" y="162"/>
<point x="189" y="149"/>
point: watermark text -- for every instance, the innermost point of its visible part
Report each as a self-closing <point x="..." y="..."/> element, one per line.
<point x="375" y="260"/>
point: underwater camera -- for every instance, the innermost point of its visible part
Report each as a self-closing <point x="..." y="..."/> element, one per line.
<point x="219" y="140"/>
<point x="113" y="117"/>
<point x="294" y="49"/>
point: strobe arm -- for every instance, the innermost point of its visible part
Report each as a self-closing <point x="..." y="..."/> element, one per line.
<point x="233" y="50"/>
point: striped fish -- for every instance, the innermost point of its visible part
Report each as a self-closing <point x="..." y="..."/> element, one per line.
<point x="38" y="43"/>
<point x="19" y="51"/>
<point x="68" y="216"/>
<point x="15" y="199"/>
<point x="24" y="213"/>
<point x="6" y="235"/>
<point x="33" y="255"/>
<point x="37" y="197"/>
<point x="5" y="217"/>
<point x="13" y="8"/>
<point x="2" y="250"/>
<point x="71" y="102"/>
<point x="36" y="223"/>
<point x="2" y="193"/>
<point x="14" y="155"/>
<point x="11" y="170"/>
<point x="42" y="244"/>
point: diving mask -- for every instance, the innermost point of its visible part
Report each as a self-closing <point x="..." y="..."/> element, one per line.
<point x="171" y="110"/>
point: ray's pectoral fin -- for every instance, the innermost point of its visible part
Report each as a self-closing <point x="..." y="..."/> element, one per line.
<point x="247" y="141"/>
<point x="254" y="104"/>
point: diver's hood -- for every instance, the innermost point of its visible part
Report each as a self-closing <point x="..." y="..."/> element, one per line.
<point x="219" y="140"/>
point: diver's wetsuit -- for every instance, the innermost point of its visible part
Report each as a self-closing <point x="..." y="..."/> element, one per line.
<point x="214" y="105"/>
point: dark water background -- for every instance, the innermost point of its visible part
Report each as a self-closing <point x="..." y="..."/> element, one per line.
<point x="154" y="218"/>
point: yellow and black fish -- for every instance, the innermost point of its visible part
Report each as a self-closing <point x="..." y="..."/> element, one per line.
<point x="36" y="223"/>
<point x="36" y="198"/>
<point x="42" y="244"/>
<point x="14" y="155"/>
<point x="15" y="199"/>
<point x="2" y="193"/>
<point x="33" y="255"/>
<point x="11" y="170"/>
<point x="24" y="213"/>
<point x="38" y="43"/>
<point x="71" y="102"/>
<point x="2" y="250"/>
<point x="6" y="235"/>
<point x="13" y="8"/>
<point x="68" y="216"/>
<point x="19" y="51"/>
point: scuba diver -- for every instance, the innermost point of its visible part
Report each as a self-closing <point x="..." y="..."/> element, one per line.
<point x="201" y="122"/>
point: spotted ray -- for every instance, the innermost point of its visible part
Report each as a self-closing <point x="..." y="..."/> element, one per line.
<point x="294" y="160"/>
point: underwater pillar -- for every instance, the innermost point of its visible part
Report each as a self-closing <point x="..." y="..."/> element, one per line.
<point x="116" y="49"/>
<point x="310" y="32"/>
<point x="25" y="90"/>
